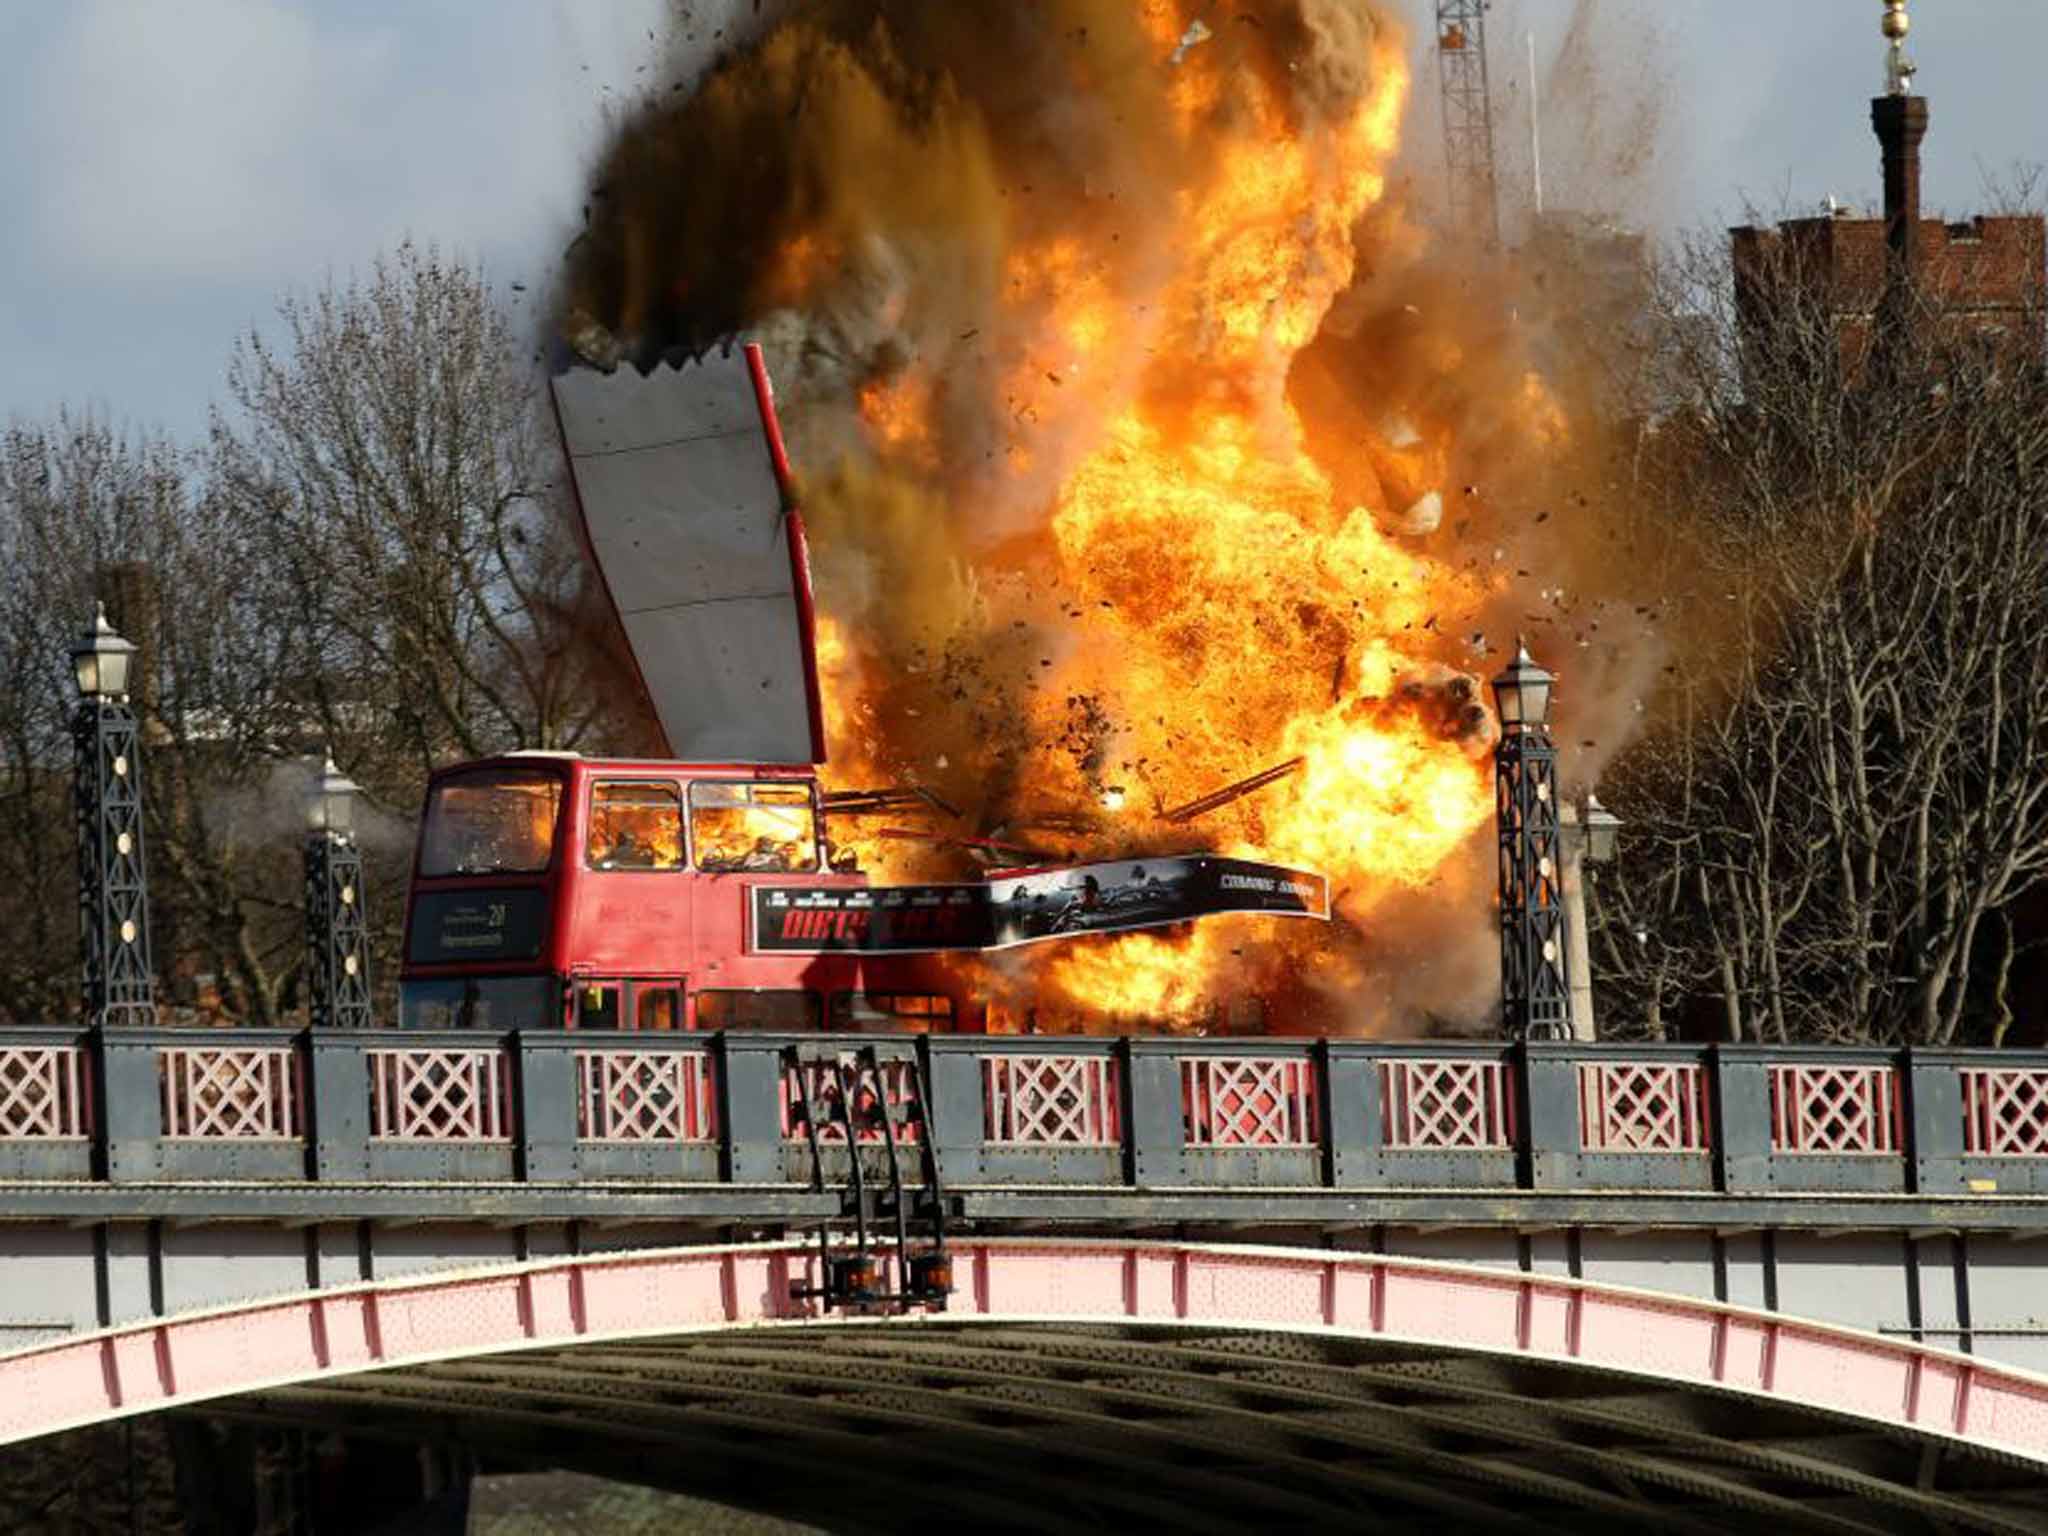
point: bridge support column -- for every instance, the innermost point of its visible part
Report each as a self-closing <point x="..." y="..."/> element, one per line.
<point x="749" y="1109"/>
<point x="1742" y="1122"/>
<point x="547" y="1107"/>
<point x="1155" y="1126"/>
<point x="338" y="1137"/>
<point x="1550" y="1116"/>
<point x="1938" y="1290"/>
<point x="953" y="1079"/>
<point x="1350" y="1109"/>
<point x="338" y="1253"/>
<point x="129" y="1100"/>
<point x="1934" y="1116"/>
<point x="130" y="1278"/>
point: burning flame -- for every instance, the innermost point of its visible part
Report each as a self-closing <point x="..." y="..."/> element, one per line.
<point x="1112" y="513"/>
<point x="1223" y="609"/>
<point x="777" y="837"/>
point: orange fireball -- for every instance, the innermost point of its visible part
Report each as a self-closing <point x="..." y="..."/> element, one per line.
<point x="1103" y="528"/>
<point x="1211" y="607"/>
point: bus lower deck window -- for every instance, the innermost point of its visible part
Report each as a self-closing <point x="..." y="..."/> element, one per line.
<point x="789" y="1011"/>
<point x="918" y="1011"/>
<point x="481" y="1002"/>
<point x="657" y="1005"/>
<point x="597" y="1005"/>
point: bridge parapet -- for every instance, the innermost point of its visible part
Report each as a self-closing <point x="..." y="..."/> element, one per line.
<point x="139" y="1106"/>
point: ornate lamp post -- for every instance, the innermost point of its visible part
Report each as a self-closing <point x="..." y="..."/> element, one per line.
<point x="337" y="938"/>
<point x="113" y="884"/>
<point x="1535" y="979"/>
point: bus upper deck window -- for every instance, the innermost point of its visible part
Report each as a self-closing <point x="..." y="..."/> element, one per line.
<point x="754" y="828"/>
<point x="635" y="825"/>
<point x="492" y="823"/>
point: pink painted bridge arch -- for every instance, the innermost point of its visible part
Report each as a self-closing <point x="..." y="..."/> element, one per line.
<point x="1073" y="1382"/>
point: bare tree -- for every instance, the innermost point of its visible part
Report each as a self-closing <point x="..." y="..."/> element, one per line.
<point x="392" y="448"/>
<point x="388" y="469"/>
<point x="1848" y="791"/>
<point x="90" y="513"/>
<point x="38" y="931"/>
<point x="365" y="558"/>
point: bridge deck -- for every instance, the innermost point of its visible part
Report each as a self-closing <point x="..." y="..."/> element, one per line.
<point x="142" y="1172"/>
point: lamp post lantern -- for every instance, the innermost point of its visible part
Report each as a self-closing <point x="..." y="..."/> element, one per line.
<point x="113" y="885"/>
<point x="1535" y="975"/>
<point x="1591" y="834"/>
<point x="337" y="934"/>
<point x="1602" y="830"/>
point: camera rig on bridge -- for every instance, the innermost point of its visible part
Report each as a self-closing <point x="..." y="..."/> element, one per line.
<point x="850" y="1089"/>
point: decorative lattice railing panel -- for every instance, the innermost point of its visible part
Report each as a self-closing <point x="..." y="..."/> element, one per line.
<point x="1838" y="1110"/>
<point x="1246" y="1101"/>
<point x="1061" y="1101"/>
<point x="43" y="1093"/>
<point x="645" y="1096"/>
<point x="430" y="1095"/>
<point x="2005" y="1111"/>
<point x="231" y="1093"/>
<point x="841" y="1090"/>
<point x="1437" y="1106"/>
<point x="1642" y="1106"/>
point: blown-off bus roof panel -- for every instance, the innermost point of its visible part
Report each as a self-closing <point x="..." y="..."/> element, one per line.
<point x="685" y="515"/>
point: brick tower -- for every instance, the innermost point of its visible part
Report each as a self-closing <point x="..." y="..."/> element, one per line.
<point x="1985" y="277"/>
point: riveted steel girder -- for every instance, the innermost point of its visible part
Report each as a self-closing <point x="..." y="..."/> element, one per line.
<point x="1065" y="1427"/>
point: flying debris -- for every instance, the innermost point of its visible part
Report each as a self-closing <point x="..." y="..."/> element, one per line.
<point x="1182" y="814"/>
<point x="1196" y="34"/>
<point x="875" y="802"/>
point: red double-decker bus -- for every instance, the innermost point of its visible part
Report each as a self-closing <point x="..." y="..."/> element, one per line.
<point x="550" y="889"/>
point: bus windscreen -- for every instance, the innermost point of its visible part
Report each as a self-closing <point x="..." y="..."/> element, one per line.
<point x="491" y="824"/>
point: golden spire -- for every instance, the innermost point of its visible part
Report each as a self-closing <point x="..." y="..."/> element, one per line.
<point x="1897" y="24"/>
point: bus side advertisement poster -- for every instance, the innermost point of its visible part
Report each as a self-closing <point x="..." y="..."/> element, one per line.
<point x="897" y="919"/>
<point x="1028" y="908"/>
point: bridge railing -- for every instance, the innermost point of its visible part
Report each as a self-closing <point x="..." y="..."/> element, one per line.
<point x="388" y="1106"/>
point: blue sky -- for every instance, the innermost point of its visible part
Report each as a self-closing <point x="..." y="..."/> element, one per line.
<point x="170" y="166"/>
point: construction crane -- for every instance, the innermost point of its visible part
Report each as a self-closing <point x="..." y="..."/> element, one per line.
<point x="1468" y="117"/>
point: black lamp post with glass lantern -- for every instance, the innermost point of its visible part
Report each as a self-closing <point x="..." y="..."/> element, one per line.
<point x="337" y="936"/>
<point x="1535" y="977"/>
<point x="113" y="884"/>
